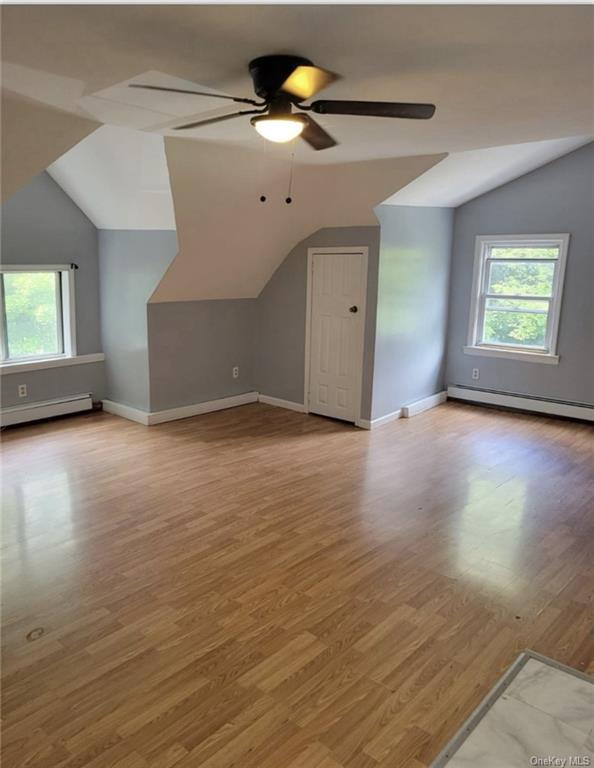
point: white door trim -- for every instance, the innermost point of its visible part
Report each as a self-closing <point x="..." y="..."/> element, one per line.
<point x="364" y="251"/>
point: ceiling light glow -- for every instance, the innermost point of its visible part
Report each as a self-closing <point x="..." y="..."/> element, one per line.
<point x="279" y="129"/>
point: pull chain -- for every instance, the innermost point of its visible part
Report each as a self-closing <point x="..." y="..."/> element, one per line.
<point x="289" y="199"/>
<point x="263" y="170"/>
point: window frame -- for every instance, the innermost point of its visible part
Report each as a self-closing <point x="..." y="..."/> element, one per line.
<point x="65" y="300"/>
<point x="482" y="260"/>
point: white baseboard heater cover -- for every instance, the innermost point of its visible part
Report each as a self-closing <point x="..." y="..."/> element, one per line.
<point x="523" y="402"/>
<point x="19" y="414"/>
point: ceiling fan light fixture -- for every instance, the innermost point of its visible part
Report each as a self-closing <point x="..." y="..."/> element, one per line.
<point x="278" y="128"/>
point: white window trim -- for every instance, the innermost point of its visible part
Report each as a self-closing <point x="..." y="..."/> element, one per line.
<point x="68" y="318"/>
<point x="547" y="355"/>
<point x="7" y="368"/>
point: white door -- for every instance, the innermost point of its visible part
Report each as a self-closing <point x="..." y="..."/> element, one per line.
<point x="337" y="300"/>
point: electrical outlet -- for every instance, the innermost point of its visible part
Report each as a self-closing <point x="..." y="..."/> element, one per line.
<point x="475" y="373"/>
<point x="236" y="372"/>
<point x="22" y="390"/>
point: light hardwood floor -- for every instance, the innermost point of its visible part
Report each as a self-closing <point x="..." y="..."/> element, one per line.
<point x="258" y="588"/>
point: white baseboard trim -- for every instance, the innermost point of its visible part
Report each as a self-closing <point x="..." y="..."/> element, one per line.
<point x="551" y="407"/>
<point x="424" y="405"/>
<point x="149" y="418"/>
<point x="405" y="412"/>
<point x="172" y="414"/>
<point x="126" y="412"/>
<point x="19" y="414"/>
<point x="374" y="423"/>
<point x="278" y="403"/>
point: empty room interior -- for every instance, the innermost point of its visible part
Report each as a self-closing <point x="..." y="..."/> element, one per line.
<point x="297" y="386"/>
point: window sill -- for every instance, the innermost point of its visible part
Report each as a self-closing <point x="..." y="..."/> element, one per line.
<point x="514" y="354"/>
<point x="50" y="362"/>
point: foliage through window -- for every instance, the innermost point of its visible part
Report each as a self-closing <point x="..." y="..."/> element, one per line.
<point x="34" y="308"/>
<point x="517" y="292"/>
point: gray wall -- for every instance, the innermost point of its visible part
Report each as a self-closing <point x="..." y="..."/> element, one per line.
<point x="412" y="303"/>
<point x="54" y="383"/>
<point x="193" y="348"/>
<point x="555" y="198"/>
<point x="131" y="264"/>
<point x="281" y="310"/>
<point x="166" y="355"/>
<point x="41" y="225"/>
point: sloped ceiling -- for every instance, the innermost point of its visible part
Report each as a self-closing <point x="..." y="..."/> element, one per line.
<point x="498" y="74"/>
<point x="119" y="178"/>
<point x="231" y="242"/>
<point x="464" y="175"/>
<point x="33" y="136"/>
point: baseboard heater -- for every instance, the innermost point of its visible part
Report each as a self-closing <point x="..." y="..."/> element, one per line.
<point x="18" y="414"/>
<point x="523" y="402"/>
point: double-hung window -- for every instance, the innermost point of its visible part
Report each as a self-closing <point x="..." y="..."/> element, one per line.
<point x="516" y="302"/>
<point x="36" y="313"/>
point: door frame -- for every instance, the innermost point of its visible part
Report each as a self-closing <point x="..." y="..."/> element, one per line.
<point x="363" y="250"/>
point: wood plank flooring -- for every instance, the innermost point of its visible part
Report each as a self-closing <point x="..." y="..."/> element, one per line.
<point x="257" y="588"/>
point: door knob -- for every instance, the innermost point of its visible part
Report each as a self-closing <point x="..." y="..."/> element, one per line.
<point x="354" y="308"/>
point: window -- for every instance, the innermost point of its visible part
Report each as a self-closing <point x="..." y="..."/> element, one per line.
<point x="518" y="281"/>
<point x="36" y="313"/>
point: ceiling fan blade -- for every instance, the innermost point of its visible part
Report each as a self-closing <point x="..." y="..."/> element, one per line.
<point x="316" y="136"/>
<point x="195" y="93"/>
<point x="305" y="81"/>
<point x="374" y="109"/>
<point x="211" y="120"/>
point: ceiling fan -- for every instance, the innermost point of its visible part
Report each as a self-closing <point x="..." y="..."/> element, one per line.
<point x="285" y="82"/>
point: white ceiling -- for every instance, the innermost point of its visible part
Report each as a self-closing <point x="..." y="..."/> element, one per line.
<point x="33" y="136"/>
<point x="119" y="178"/>
<point x="230" y="242"/>
<point x="499" y="75"/>
<point x="464" y="175"/>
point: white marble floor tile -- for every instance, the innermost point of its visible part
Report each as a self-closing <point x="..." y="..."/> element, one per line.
<point x="512" y="732"/>
<point x="560" y="694"/>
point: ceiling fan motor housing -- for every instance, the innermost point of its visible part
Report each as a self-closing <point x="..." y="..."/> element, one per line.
<point x="284" y="82"/>
<point x="270" y="72"/>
